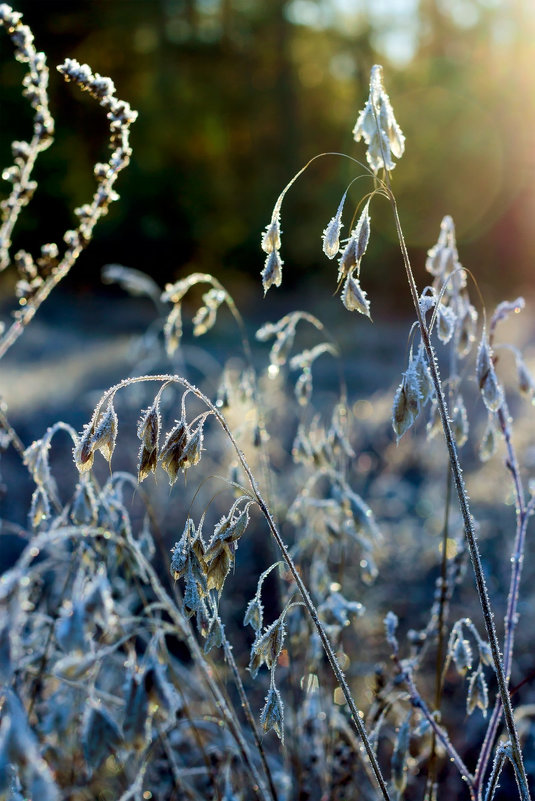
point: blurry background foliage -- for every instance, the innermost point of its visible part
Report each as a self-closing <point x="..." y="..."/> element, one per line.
<point x="236" y="95"/>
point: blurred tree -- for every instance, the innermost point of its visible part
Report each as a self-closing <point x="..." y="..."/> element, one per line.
<point x="236" y="95"/>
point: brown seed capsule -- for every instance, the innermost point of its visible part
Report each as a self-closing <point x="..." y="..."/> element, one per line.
<point x="105" y="433"/>
<point x="172" y="453"/>
<point x="84" y="451"/>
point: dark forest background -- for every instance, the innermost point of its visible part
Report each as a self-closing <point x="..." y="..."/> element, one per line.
<point x="235" y="96"/>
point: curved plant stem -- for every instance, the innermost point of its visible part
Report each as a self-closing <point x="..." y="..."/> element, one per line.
<point x="516" y="753"/>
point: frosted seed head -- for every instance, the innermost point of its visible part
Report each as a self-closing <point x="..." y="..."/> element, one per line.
<point x="467" y="333"/>
<point x="331" y="235"/>
<point x="40" y="508"/>
<point x="377" y="125"/>
<point x="478" y="694"/>
<point x="427" y="389"/>
<point x="272" y="272"/>
<point x="215" y="636"/>
<point x="354" y="298"/>
<point x="193" y="448"/>
<point x="462" y="654"/>
<point x="172" y="329"/>
<point x="459" y="421"/>
<point x="147" y="462"/>
<point x="489" y="443"/>
<point x="271" y="238"/>
<point x="272" y="715"/>
<point x="172" y="454"/>
<point x="407" y="401"/>
<point x="348" y="260"/>
<point x="148" y="429"/>
<point x="84" y="450"/>
<point x="487" y="380"/>
<point x="361" y="234"/>
<point x="445" y="323"/>
<point x="526" y="384"/>
<point x="402" y="416"/>
<point x="254" y="614"/>
<point x="105" y="434"/>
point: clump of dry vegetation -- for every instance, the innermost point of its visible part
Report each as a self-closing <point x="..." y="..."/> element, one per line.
<point x="222" y="620"/>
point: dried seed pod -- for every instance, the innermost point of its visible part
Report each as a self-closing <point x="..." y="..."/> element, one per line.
<point x="181" y="550"/>
<point x="272" y="715"/>
<point x="459" y="422"/>
<point x="478" y="694"/>
<point x="377" y="125"/>
<point x="267" y="646"/>
<point x="427" y="388"/>
<point x="172" y="454"/>
<point x="271" y="238"/>
<point x="206" y="316"/>
<point x="148" y="431"/>
<point x="254" y="614"/>
<point x="172" y="329"/>
<point x="40" y="508"/>
<point x="488" y="444"/>
<point x="215" y="636"/>
<point x="487" y="380"/>
<point x="462" y="654"/>
<point x="193" y="448"/>
<point x="105" y="433"/>
<point x="272" y="272"/>
<point x="84" y="451"/>
<point x="445" y="323"/>
<point x="467" y="332"/>
<point x="219" y="568"/>
<point x="407" y="402"/>
<point x="348" y="260"/>
<point x="354" y="298"/>
<point x="331" y="235"/>
<point x="361" y="232"/>
<point x="526" y="384"/>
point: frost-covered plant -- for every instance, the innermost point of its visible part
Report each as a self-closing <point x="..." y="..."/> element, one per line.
<point x="196" y="628"/>
<point x="454" y="319"/>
